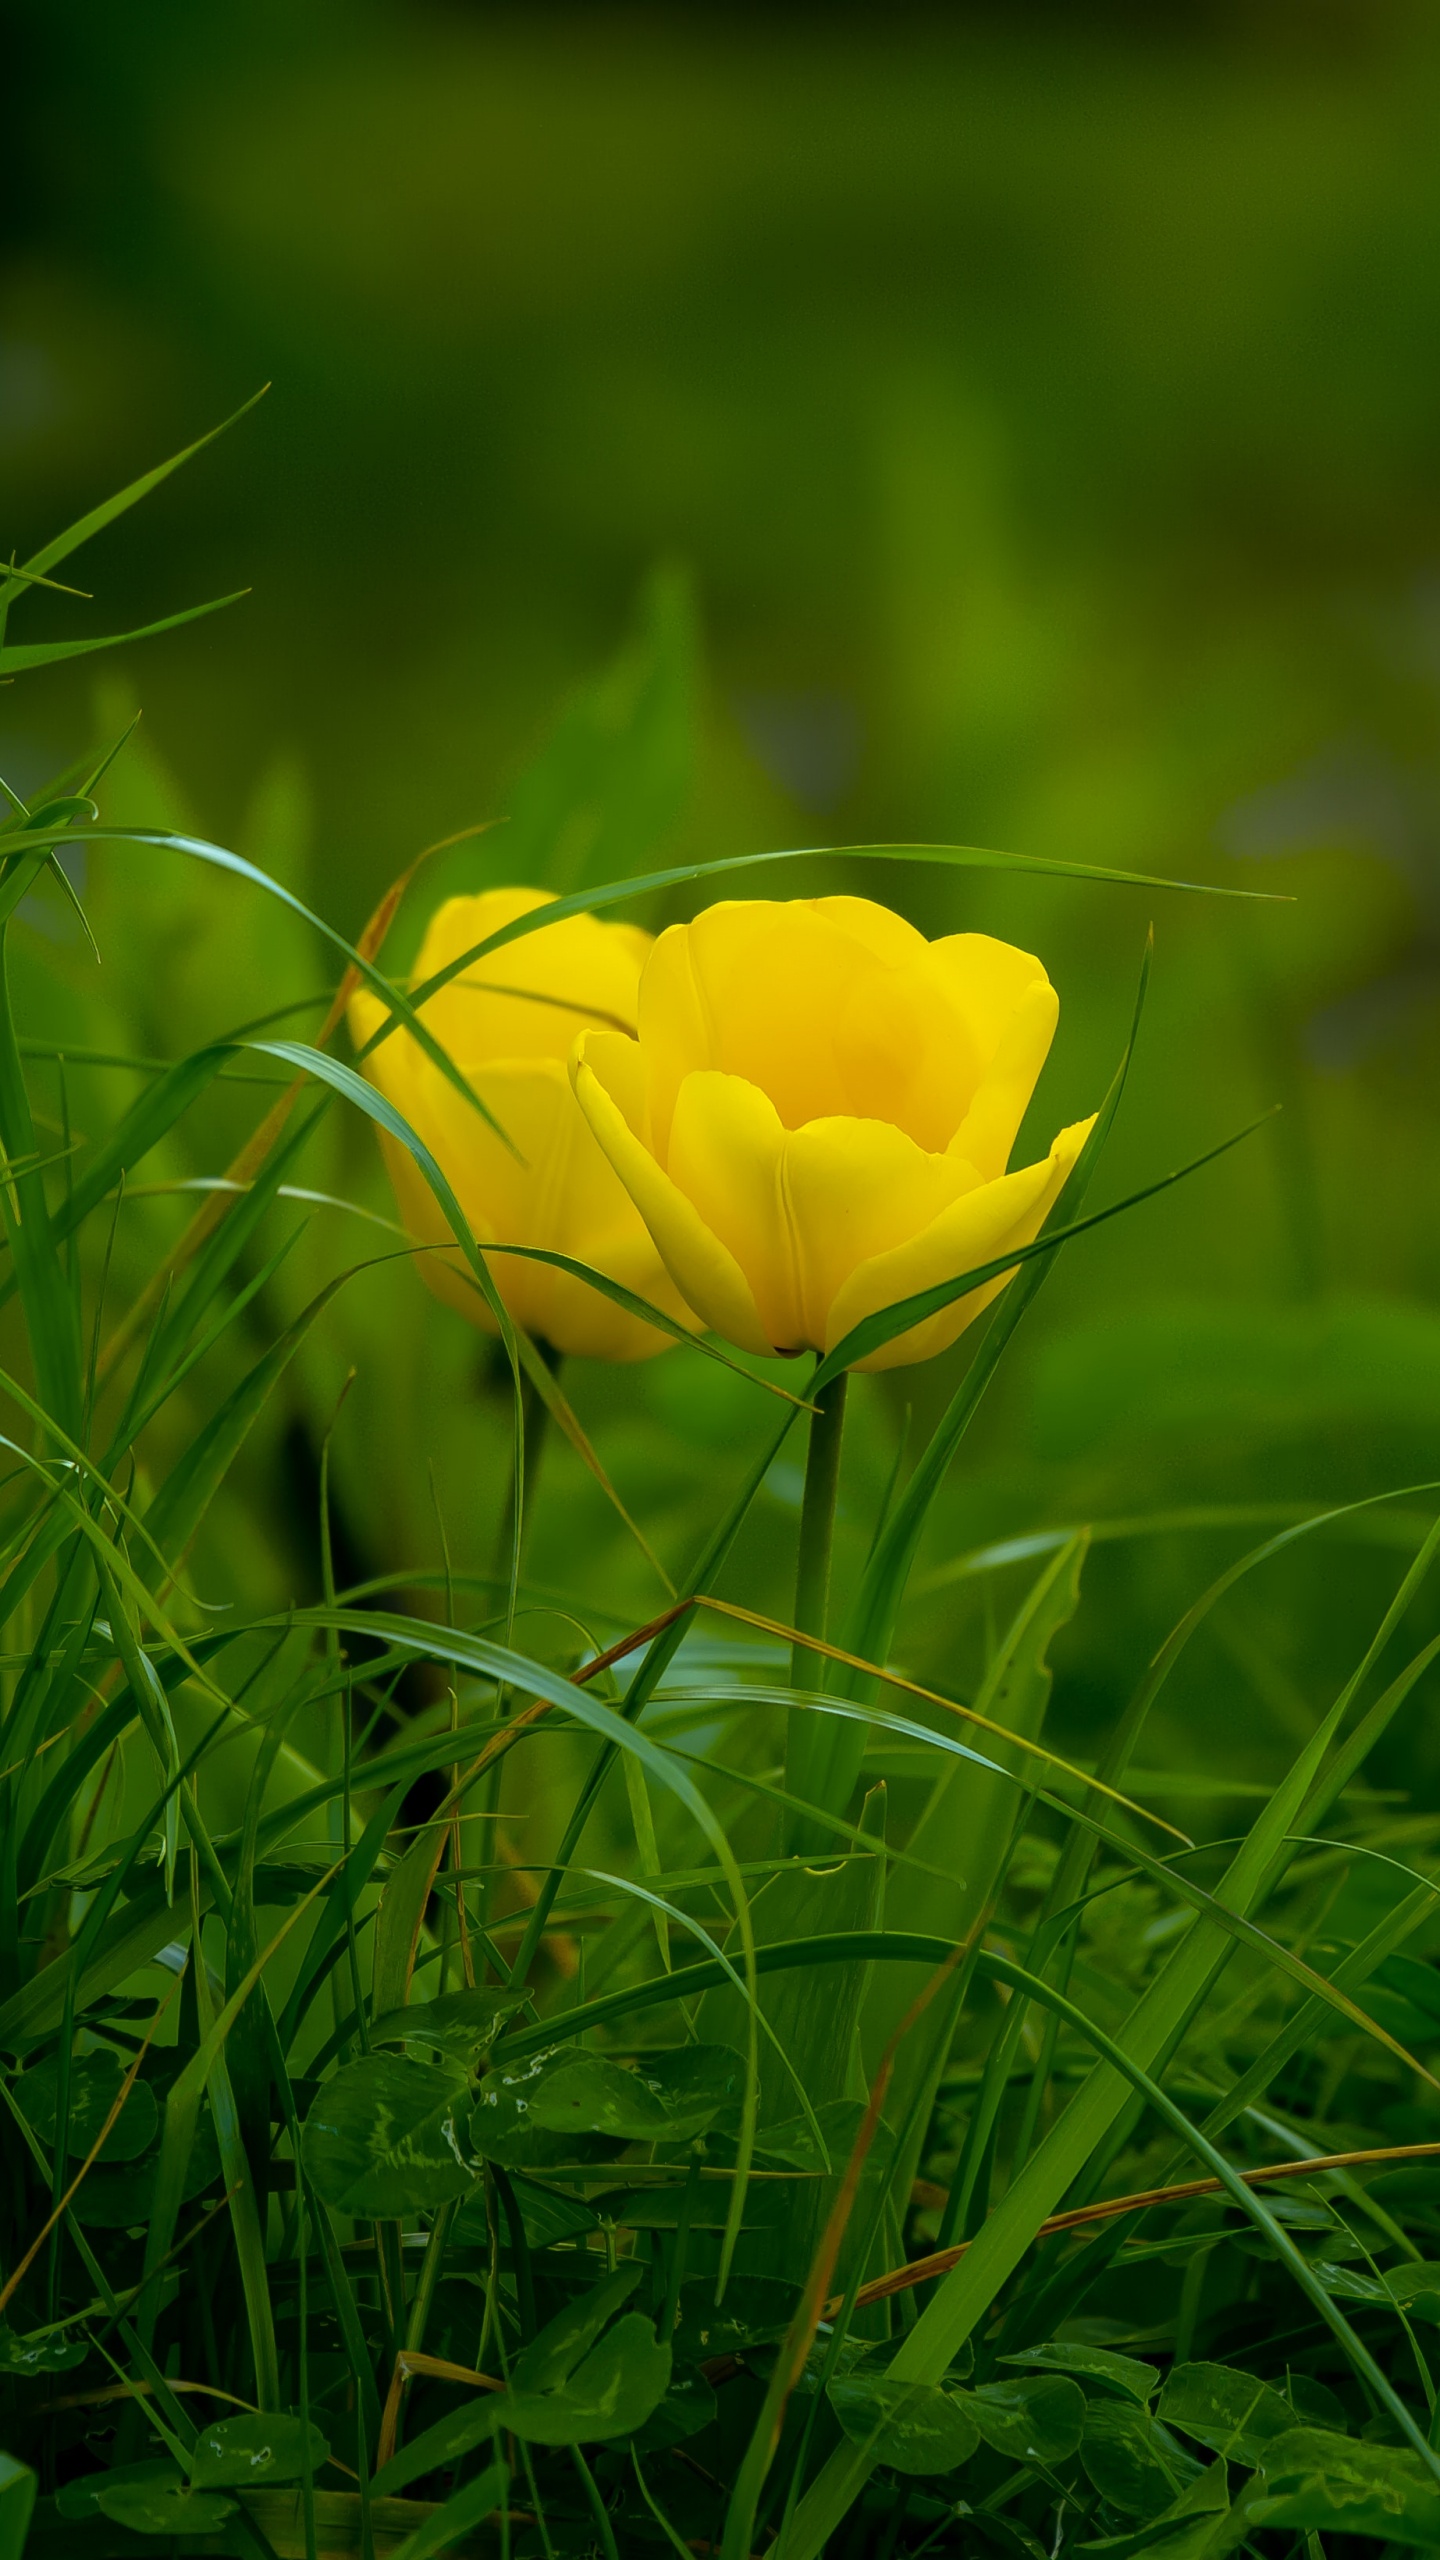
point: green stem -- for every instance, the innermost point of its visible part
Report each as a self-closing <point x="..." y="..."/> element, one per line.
<point x="430" y="2267"/>
<point x="812" y="1580"/>
<point x="505" y="1572"/>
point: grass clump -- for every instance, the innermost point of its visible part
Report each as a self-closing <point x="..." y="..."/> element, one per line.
<point x="850" y="2120"/>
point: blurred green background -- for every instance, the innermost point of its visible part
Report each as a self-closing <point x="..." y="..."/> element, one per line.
<point x="1015" y="427"/>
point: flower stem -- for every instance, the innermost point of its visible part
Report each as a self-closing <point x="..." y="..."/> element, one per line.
<point x="812" y="1576"/>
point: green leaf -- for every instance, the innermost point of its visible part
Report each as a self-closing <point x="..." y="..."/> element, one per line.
<point x="79" y="2499"/>
<point x="503" y="2122"/>
<point x="18" y="2485"/>
<point x="1136" y="2465"/>
<point x="669" y="2098"/>
<point x="163" y="2503"/>
<point x="755" y="2314"/>
<point x="913" y="2427"/>
<point x="613" y="776"/>
<point x="49" y="1301"/>
<point x="1234" y="2413"/>
<point x="95" y="2083"/>
<point x="1315" y="2482"/>
<point x="1199" y="2522"/>
<point x="821" y="2147"/>
<point x="695" y="2083"/>
<point x="1417" y="2286"/>
<point x="588" y="2094"/>
<point x="1125" y="2374"/>
<point x="547" y="2216"/>
<point x="611" y="2394"/>
<point x="445" y="2526"/>
<point x="384" y="2137"/>
<point x="464" y="2023"/>
<point x="122" y="2199"/>
<point x="1350" y="2284"/>
<point x="688" y="2408"/>
<point x="251" y="2452"/>
<point x="1416" y="1982"/>
<point x="1039" y="2419"/>
<point x="51" y="2352"/>
<point x="551" y="2358"/>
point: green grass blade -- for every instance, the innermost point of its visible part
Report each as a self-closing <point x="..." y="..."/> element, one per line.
<point x="1149" y="2033"/>
<point x="640" y="1307"/>
<point x="15" y="660"/>
<point x="50" y="1316"/>
<point x="144" y="1125"/>
<point x="86" y="527"/>
<point x="887" y="1323"/>
<point x="887" y="1572"/>
<point x="187" y="1492"/>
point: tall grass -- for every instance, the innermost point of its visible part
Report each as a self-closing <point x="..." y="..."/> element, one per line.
<point x="745" y="2165"/>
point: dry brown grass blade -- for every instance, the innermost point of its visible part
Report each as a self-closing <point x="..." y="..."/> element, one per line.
<point x="143" y="2390"/>
<point x="88" y="2163"/>
<point x="408" y="2362"/>
<point x="812" y="2307"/>
<point x="499" y="1743"/>
<point x="940" y="2261"/>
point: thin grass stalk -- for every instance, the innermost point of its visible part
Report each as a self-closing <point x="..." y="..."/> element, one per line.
<point x="812" y="1581"/>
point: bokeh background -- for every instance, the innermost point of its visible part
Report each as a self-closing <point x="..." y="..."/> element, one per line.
<point x="1008" y="426"/>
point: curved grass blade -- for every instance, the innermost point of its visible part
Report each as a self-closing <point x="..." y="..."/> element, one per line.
<point x="514" y="1671"/>
<point x="640" y="1307"/>
<point x="14" y="660"/>
<point x="874" y="1671"/>
<point x="182" y="2111"/>
<point x="887" y="1571"/>
<point x="780" y="1955"/>
<point x="519" y="1348"/>
<point x="180" y="1505"/>
<point x="200" y="849"/>
<point x="61" y="545"/>
<point x="873" y="1332"/>
<point x="143" y="1126"/>
<point x="51" y="1315"/>
<point x="1151" y="2031"/>
<point x="960" y="857"/>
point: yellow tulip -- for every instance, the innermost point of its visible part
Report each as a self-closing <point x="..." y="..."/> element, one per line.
<point x="815" y="1116"/>
<point x="508" y="1022"/>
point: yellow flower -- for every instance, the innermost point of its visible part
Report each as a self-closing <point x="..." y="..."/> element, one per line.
<point x="509" y="1022"/>
<point x="815" y="1118"/>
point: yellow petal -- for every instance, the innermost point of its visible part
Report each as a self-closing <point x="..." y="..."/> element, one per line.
<point x="976" y="1229"/>
<point x="833" y="1008"/>
<point x="726" y="1152"/>
<point x="606" y="1072"/>
<point x="877" y="929"/>
<point x="855" y="1189"/>
<point x="563" y="1197"/>
<point x="757" y="988"/>
<point x="529" y="999"/>
<point x="985" y="981"/>
<point x="990" y="1126"/>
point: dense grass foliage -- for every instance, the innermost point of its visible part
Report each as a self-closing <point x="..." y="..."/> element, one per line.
<point x="567" y="2042"/>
